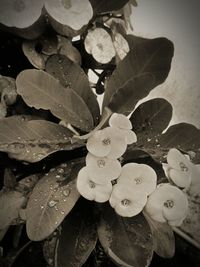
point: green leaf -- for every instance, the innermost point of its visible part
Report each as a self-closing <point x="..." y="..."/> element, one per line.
<point x="10" y="204"/>
<point x="163" y="238"/>
<point x="128" y="241"/>
<point x="106" y="6"/>
<point x="33" y="140"/>
<point x="151" y="118"/>
<point x="144" y="67"/>
<point x="41" y="90"/>
<point x="72" y="76"/>
<point x="52" y="199"/>
<point x="78" y="236"/>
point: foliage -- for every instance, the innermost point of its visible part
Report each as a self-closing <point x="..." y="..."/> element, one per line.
<point x="52" y="115"/>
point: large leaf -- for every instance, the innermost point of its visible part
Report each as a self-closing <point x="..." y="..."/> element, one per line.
<point x="10" y="204"/>
<point x="105" y="6"/>
<point x="163" y="238"/>
<point x="41" y="90"/>
<point x="128" y="241"/>
<point x="78" y="236"/>
<point x="33" y="140"/>
<point x="151" y="117"/>
<point x="72" y="76"/>
<point x="150" y="59"/>
<point x="52" y="199"/>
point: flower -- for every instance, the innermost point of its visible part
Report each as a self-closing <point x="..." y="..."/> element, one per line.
<point x="120" y="121"/>
<point x="123" y="125"/>
<point x="141" y="178"/>
<point x="107" y="142"/>
<point x="98" y="42"/>
<point x="125" y="201"/>
<point x="179" y="168"/>
<point x="90" y="190"/>
<point x="167" y="203"/>
<point x="102" y="169"/>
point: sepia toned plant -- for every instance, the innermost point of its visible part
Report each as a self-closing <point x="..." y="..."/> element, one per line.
<point x="79" y="172"/>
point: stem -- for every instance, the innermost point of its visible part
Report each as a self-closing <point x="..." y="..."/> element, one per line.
<point x="105" y="116"/>
<point x="186" y="237"/>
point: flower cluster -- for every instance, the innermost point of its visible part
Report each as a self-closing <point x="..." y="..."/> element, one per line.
<point x="182" y="172"/>
<point x="105" y="147"/>
<point x="135" y="188"/>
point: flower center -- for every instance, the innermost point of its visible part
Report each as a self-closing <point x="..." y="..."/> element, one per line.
<point x="101" y="163"/>
<point x="169" y="204"/>
<point x="19" y="5"/>
<point x="183" y="167"/>
<point x="92" y="184"/>
<point x="125" y="202"/>
<point x="100" y="46"/>
<point x="138" y="180"/>
<point x="106" y="141"/>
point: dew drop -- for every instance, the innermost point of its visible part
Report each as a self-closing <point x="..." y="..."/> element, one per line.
<point x="62" y="212"/>
<point x="66" y="192"/>
<point x="42" y="207"/>
<point x="52" y="203"/>
<point x="60" y="170"/>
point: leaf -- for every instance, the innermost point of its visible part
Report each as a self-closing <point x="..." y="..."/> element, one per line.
<point x="52" y="199"/>
<point x="123" y="100"/>
<point x="40" y="90"/>
<point x="78" y="236"/>
<point x="72" y="76"/>
<point x="107" y="6"/>
<point x="151" y="58"/>
<point x="163" y="238"/>
<point x="10" y="204"/>
<point x="33" y="140"/>
<point x="151" y="117"/>
<point x="128" y="241"/>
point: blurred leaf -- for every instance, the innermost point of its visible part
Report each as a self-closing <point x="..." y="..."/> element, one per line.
<point x="144" y="67"/>
<point x="10" y="204"/>
<point x="72" y="76"/>
<point x="33" y="140"/>
<point x="128" y="241"/>
<point x="106" y="6"/>
<point x="151" y="117"/>
<point x="41" y="90"/>
<point x="52" y="199"/>
<point x="163" y="238"/>
<point x="78" y="236"/>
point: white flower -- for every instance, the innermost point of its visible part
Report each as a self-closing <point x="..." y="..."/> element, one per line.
<point x="141" y="178"/>
<point x="90" y="190"/>
<point x="120" y="121"/>
<point x="98" y="42"/>
<point x="167" y="203"/>
<point x="179" y="168"/>
<point x="102" y="169"/>
<point x="107" y="142"/>
<point x="125" y="202"/>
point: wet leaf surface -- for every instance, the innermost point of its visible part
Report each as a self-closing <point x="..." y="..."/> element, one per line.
<point x="128" y="241"/>
<point x="78" y="236"/>
<point x="42" y="91"/>
<point x="52" y="199"/>
<point x="33" y="140"/>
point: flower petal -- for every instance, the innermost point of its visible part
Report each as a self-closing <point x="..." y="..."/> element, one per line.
<point x="126" y="203"/>
<point x="102" y="169"/>
<point x="178" y="161"/>
<point x="181" y="179"/>
<point x="141" y="177"/>
<point x="98" y="144"/>
<point x="120" y="121"/>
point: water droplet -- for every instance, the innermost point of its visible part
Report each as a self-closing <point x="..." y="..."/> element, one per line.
<point x="35" y="199"/>
<point x="62" y="212"/>
<point x="60" y="170"/>
<point x="56" y="222"/>
<point x="64" y="165"/>
<point x="42" y="207"/>
<point x="56" y="208"/>
<point x="57" y="176"/>
<point x="52" y="203"/>
<point x="66" y="192"/>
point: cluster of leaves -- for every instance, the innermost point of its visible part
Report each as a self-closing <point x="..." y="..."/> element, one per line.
<point x="48" y="202"/>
